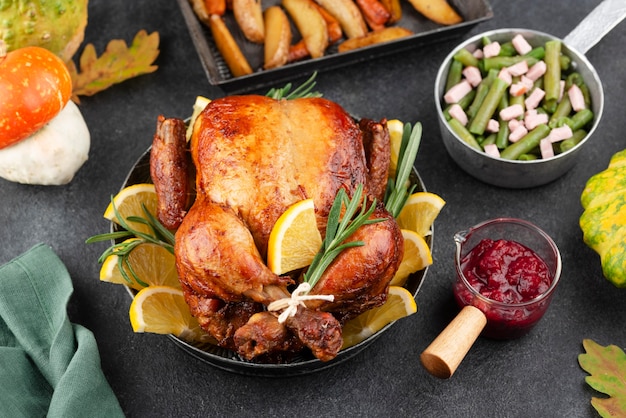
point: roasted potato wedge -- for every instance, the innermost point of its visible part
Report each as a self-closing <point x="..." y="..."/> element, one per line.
<point x="394" y="8"/>
<point x="277" y="37"/>
<point x="249" y="17"/>
<point x="439" y="11"/>
<point x="236" y="61"/>
<point x="335" y="32"/>
<point x="200" y="9"/>
<point x="348" y="15"/>
<point x="375" y="37"/>
<point x="310" y="24"/>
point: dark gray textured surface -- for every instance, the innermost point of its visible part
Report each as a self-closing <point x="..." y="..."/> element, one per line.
<point x="531" y="377"/>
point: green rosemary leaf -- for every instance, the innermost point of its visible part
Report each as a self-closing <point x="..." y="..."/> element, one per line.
<point x="302" y="91"/>
<point x="339" y="229"/>
<point x="399" y="189"/>
<point x="159" y="235"/>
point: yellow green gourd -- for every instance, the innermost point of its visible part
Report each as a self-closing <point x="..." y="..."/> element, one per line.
<point x="604" y="220"/>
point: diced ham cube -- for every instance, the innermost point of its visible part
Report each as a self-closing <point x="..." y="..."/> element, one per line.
<point x="521" y="45"/>
<point x="478" y="54"/>
<point x="527" y="82"/>
<point x="545" y="146"/>
<point x="505" y="76"/>
<point x="472" y="74"/>
<point x="512" y="112"/>
<point x="514" y="123"/>
<point x="536" y="71"/>
<point x="534" y="119"/>
<point x="457" y="92"/>
<point x="458" y="113"/>
<point x="521" y="87"/>
<point x="493" y="126"/>
<point x="518" y="69"/>
<point x="492" y="150"/>
<point x="518" y="89"/>
<point x="518" y="133"/>
<point x="560" y="134"/>
<point x="491" y="50"/>
<point x="576" y="97"/>
<point x="535" y="97"/>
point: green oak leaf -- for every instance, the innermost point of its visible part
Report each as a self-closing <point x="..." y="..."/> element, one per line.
<point x="607" y="369"/>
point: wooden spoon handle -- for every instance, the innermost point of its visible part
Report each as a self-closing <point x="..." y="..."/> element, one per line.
<point x="442" y="357"/>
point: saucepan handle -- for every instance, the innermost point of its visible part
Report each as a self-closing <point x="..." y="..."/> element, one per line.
<point x="442" y="357"/>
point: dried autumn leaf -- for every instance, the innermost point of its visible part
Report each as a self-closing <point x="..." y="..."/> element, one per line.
<point x="607" y="369"/>
<point x="118" y="63"/>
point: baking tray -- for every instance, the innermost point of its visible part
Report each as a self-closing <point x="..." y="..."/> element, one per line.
<point x="425" y="32"/>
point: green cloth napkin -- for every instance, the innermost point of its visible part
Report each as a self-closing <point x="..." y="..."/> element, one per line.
<point x="48" y="366"/>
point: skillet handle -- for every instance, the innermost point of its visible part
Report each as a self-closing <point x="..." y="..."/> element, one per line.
<point x="597" y="24"/>
<point x="442" y="357"/>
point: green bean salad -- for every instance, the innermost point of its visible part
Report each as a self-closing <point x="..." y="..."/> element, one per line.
<point x="515" y="101"/>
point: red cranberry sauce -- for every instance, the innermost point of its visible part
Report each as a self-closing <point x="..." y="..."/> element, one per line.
<point x="506" y="271"/>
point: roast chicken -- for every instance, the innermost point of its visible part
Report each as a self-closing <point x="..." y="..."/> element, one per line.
<point x="251" y="158"/>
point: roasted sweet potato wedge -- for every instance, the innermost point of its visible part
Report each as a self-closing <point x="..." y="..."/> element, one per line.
<point x="236" y="61"/>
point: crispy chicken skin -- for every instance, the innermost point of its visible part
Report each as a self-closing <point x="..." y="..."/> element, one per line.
<point x="254" y="157"/>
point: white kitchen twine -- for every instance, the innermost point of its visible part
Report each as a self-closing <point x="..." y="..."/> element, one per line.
<point x="290" y="305"/>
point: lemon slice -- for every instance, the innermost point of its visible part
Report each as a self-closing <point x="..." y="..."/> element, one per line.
<point x="396" y="128"/>
<point x="163" y="310"/>
<point x="420" y="211"/>
<point x="198" y="106"/>
<point x="400" y="303"/>
<point x="151" y="263"/>
<point x="294" y="239"/>
<point x="417" y="256"/>
<point x="129" y="203"/>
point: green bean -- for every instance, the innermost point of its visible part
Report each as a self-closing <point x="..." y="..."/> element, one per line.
<point x="552" y="77"/>
<point x="485" y="40"/>
<point x="574" y="78"/>
<point x="507" y="50"/>
<point x="538" y="53"/>
<point x="528" y="157"/>
<point x="454" y="74"/>
<point x="465" y="135"/>
<point x="526" y="143"/>
<point x="502" y="137"/>
<point x="490" y="139"/>
<point x="497" y="63"/>
<point x="481" y="93"/>
<point x="564" y="62"/>
<point x="586" y="94"/>
<point x="466" y="57"/>
<point x="574" y="140"/>
<point x="580" y="119"/>
<point x="563" y="109"/>
<point x="489" y="106"/>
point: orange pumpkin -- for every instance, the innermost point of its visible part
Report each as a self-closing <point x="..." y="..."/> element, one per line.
<point x="35" y="85"/>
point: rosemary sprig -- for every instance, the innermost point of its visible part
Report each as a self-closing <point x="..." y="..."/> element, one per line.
<point x="338" y="229"/>
<point x="159" y="235"/>
<point x="399" y="189"/>
<point x="304" y="90"/>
